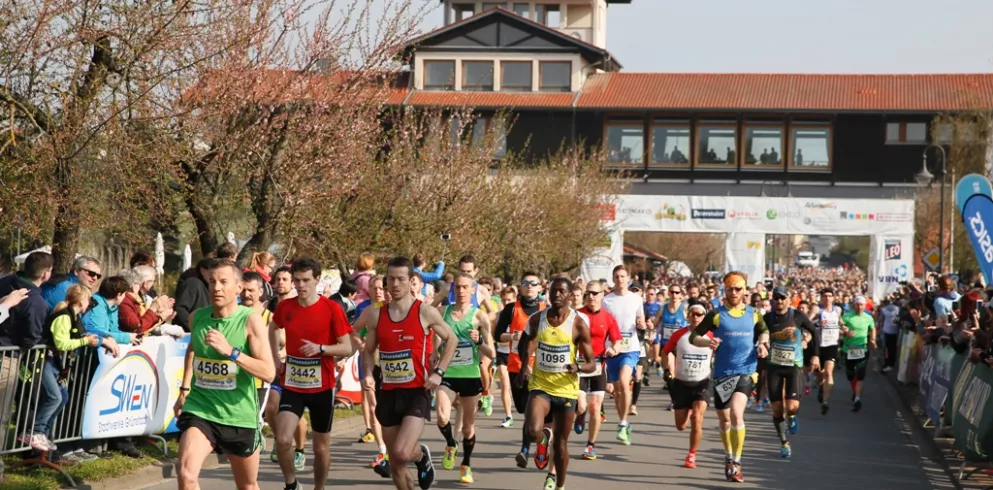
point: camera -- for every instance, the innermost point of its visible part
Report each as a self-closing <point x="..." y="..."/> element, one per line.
<point x="446" y="236"/>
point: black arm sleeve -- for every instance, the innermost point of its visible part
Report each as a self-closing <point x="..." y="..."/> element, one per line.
<point x="709" y="324"/>
<point x="503" y="321"/>
<point x="760" y="327"/>
<point x="805" y="323"/>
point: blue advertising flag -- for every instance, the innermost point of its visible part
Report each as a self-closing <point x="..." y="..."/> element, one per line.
<point x="976" y="212"/>
<point x="970" y="185"/>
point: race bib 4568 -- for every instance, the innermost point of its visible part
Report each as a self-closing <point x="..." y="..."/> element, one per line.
<point x="215" y="374"/>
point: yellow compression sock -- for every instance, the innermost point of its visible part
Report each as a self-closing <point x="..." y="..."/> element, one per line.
<point x="738" y="441"/>
<point x="726" y="441"/>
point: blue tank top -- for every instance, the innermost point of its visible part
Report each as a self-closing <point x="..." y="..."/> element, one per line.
<point x="652" y="309"/>
<point x="672" y="321"/>
<point x="475" y="296"/>
<point x="786" y="344"/>
<point x="736" y="355"/>
<point x="715" y="302"/>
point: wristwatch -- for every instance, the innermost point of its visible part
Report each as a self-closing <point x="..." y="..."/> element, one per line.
<point x="439" y="372"/>
<point x="323" y="348"/>
<point x="184" y="389"/>
<point x="235" y="353"/>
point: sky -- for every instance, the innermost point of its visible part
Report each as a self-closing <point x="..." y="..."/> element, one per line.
<point x="796" y="36"/>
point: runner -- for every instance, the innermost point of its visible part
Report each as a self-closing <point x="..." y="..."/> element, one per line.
<point x="644" y="344"/>
<point x="858" y="333"/>
<point x="626" y="308"/>
<point x="401" y="330"/>
<point x="670" y="318"/>
<point x="828" y="320"/>
<point x="738" y="327"/>
<point x="786" y="358"/>
<point x="592" y="386"/>
<point x="690" y="387"/>
<point x="511" y="324"/>
<point x="486" y="363"/>
<point x="652" y="307"/>
<point x="317" y="332"/>
<point x="556" y="336"/>
<point x="217" y="409"/>
<point x="374" y="432"/>
<point x="463" y="379"/>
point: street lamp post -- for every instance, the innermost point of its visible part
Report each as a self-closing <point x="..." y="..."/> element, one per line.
<point x="925" y="178"/>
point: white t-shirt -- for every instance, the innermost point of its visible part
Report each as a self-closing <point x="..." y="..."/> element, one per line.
<point x="890" y="313"/>
<point x="626" y="309"/>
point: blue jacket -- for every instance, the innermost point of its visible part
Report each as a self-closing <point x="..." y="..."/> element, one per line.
<point x="56" y="293"/>
<point x="429" y="277"/>
<point x="26" y="324"/>
<point x="101" y="319"/>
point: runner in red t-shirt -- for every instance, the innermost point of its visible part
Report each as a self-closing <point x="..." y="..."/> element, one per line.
<point x="402" y="332"/>
<point x="317" y="331"/>
<point x="593" y="386"/>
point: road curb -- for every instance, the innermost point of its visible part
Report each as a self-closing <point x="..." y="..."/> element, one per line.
<point x="166" y="470"/>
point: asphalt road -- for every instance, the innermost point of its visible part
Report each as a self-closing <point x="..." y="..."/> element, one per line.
<point x="870" y="449"/>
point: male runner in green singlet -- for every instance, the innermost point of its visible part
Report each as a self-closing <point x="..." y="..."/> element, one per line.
<point x="218" y="407"/>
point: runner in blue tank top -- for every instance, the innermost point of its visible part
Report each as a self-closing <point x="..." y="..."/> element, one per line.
<point x="669" y="318"/>
<point x="737" y="328"/>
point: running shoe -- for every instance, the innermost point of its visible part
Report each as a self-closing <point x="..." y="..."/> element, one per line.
<point x="766" y="403"/>
<point x="736" y="474"/>
<point x="448" y="462"/>
<point x="820" y="394"/>
<point x="589" y="454"/>
<point x="887" y="369"/>
<point x="690" y="461"/>
<point x="624" y="434"/>
<point x="759" y="408"/>
<point x="367" y="436"/>
<point x="383" y="468"/>
<point x="465" y="475"/>
<point x="748" y="406"/>
<point x="549" y="482"/>
<point x="522" y="459"/>
<point x="378" y="460"/>
<point x="580" y="423"/>
<point x="659" y="372"/>
<point x="853" y="397"/>
<point x="37" y="442"/>
<point x="728" y="468"/>
<point x="858" y="405"/>
<point x="296" y="486"/>
<point x="299" y="460"/>
<point x="487" y="402"/>
<point x="824" y="408"/>
<point x="434" y="400"/>
<point x="633" y="411"/>
<point x="785" y="451"/>
<point x="541" y="454"/>
<point x="794" y="425"/>
<point x="669" y="408"/>
<point x="274" y="456"/>
<point x="425" y="474"/>
<point x="507" y="422"/>
<point x="644" y="381"/>
<point x="806" y="390"/>
<point x="84" y="456"/>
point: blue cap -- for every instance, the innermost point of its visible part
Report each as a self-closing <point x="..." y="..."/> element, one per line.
<point x="780" y="291"/>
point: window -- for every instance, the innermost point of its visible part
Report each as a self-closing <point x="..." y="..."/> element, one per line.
<point x="625" y="142"/>
<point x="717" y="143"/>
<point x="579" y="17"/>
<point x="906" y="133"/>
<point x="464" y="10"/>
<point x="671" y="142"/>
<point x="811" y="146"/>
<point x="555" y="76"/>
<point x="439" y="75"/>
<point x="494" y="128"/>
<point x="493" y="5"/>
<point x="523" y="9"/>
<point x="477" y="75"/>
<point x="548" y="14"/>
<point x="763" y="145"/>
<point x="516" y="76"/>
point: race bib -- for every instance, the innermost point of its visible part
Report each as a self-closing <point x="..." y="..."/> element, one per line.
<point x="513" y="346"/>
<point x="463" y="354"/>
<point x="627" y="341"/>
<point x="783" y="356"/>
<point x="642" y="353"/>
<point x="856" y="353"/>
<point x="691" y="366"/>
<point x="597" y="372"/>
<point x="668" y="330"/>
<point x="214" y="374"/>
<point x="829" y="336"/>
<point x="553" y="358"/>
<point x="397" y="366"/>
<point x="304" y="372"/>
<point x="725" y="387"/>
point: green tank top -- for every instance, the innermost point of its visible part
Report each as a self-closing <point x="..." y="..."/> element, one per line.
<point x="465" y="364"/>
<point x="222" y="392"/>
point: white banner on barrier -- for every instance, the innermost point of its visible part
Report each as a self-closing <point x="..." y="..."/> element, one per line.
<point x="745" y="252"/>
<point x="133" y="394"/>
<point x="890" y="263"/>
<point x="600" y="264"/>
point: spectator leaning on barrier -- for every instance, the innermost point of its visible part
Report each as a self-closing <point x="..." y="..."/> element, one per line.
<point x="345" y="297"/>
<point x="85" y="271"/>
<point x="134" y="314"/>
<point x="64" y="333"/>
<point x="102" y="318"/>
<point x="26" y="324"/>
<point x="142" y="257"/>
<point x="11" y="300"/>
<point x="191" y="294"/>
<point x="946" y="296"/>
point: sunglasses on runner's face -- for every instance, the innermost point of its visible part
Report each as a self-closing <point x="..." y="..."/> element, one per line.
<point x="530" y="283"/>
<point x="695" y="314"/>
<point x="778" y="297"/>
<point x="592" y="293"/>
<point x="736" y="289"/>
<point x="675" y="292"/>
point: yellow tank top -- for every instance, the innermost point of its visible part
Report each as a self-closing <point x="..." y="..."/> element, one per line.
<point x="555" y="351"/>
<point x="266" y="316"/>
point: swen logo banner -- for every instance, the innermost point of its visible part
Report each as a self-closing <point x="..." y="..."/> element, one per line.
<point x="978" y="217"/>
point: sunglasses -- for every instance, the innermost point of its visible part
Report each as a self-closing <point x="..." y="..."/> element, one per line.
<point x="779" y="298"/>
<point x="675" y="292"/>
<point x="530" y="283"/>
<point x="695" y="314"/>
<point x="737" y="289"/>
<point x="94" y="275"/>
<point x="592" y="293"/>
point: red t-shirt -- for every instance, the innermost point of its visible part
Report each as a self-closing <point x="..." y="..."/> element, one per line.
<point x="602" y="326"/>
<point x="321" y="323"/>
<point x="671" y="344"/>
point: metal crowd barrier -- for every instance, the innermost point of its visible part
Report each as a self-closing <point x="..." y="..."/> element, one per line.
<point x="21" y="393"/>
